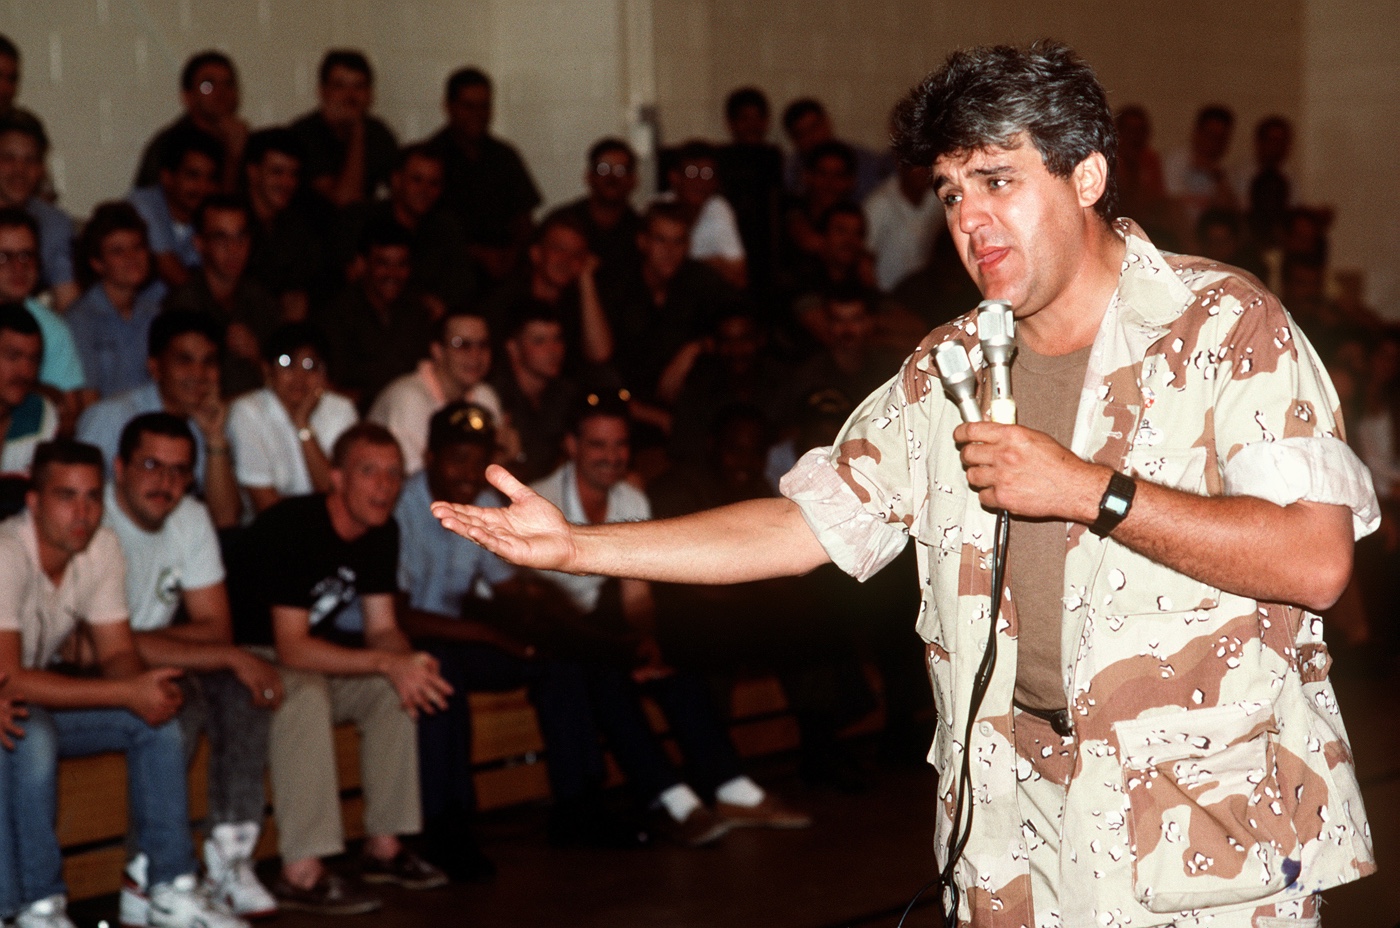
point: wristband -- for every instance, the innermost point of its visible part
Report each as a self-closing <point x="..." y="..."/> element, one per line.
<point x="1117" y="501"/>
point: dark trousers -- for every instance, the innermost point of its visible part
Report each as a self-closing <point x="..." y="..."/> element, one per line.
<point x="697" y="725"/>
<point x="560" y="696"/>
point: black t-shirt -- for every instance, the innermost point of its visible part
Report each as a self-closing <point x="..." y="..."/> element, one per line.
<point x="292" y="556"/>
<point x="325" y="151"/>
<point x="486" y="193"/>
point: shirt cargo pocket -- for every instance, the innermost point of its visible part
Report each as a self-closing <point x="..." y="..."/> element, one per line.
<point x="1206" y="818"/>
<point x="1137" y="585"/>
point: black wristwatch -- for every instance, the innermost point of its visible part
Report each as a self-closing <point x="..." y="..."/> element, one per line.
<point x="1114" y="506"/>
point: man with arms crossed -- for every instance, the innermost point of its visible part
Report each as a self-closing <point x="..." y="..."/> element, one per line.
<point x="1197" y="769"/>
<point x="172" y="560"/>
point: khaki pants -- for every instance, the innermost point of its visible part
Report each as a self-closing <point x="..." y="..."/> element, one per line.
<point x="1042" y="800"/>
<point x="301" y="756"/>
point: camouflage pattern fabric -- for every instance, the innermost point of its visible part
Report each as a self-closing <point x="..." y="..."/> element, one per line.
<point x="1209" y="771"/>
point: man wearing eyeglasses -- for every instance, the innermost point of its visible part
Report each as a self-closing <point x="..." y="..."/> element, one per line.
<point x="714" y="230"/>
<point x="606" y="215"/>
<point x="172" y="560"/>
<point x="209" y="94"/>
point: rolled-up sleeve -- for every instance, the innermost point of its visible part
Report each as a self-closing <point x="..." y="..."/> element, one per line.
<point x="1313" y="469"/>
<point x="858" y="542"/>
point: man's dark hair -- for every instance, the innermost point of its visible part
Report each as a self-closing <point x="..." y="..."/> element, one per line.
<point x="12" y="217"/>
<point x="173" y="323"/>
<point x="460" y="312"/>
<point x="8" y="48"/>
<point x="384" y="233"/>
<point x="219" y="203"/>
<point x="990" y="95"/>
<point x="15" y="318"/>
<point x="831" y="148"/>
<point x="26" y="124"/>
<point x="187" y="139"/>
<point x="558" y="221"/>
<point x="197" y="61"/>
<point x="849" y="292"/>
<point x="664" y="210"/>
<point x="598" y="405"/>
<point x="601" y="147"/>
<point x="292" y="337"/>
<point x="154" y="423"/>
<point x="528" y="311"/>
<point x="1215" y="112"/>
<point x="799" y="109"/>
<point x="107" y="219"/>
<point x="1265" y="124"/>
<point x="279" y="139"/>
<point x="62" y="451"/>
<point x="461" y="423"/>
<point x="347" y="58"/>
<point x="407" y="153"/>
<point x="694" y="150"/>
<point x="742" y="99"/>
<point x="462" y="78"/>
<point x="369" y="433"/>
<point x="839" y="209"/>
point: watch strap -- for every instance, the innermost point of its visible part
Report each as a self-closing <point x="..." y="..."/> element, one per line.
<point x="1117" y="501"/>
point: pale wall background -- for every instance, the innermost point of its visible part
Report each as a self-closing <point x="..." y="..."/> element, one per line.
<point x="103" y="74"/>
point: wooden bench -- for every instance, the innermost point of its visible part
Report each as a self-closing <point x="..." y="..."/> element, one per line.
<point x="92" y="813"/>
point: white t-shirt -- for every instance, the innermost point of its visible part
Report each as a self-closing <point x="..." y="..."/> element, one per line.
<point x="626" y="503"/>
<point x="183" y="555"/>
<point x="91" y="590"/>
<point x="900" y="234"/>
<point x="408" y="402"/>
<point x="716" y="232"/>
<point x="266" y="450"/>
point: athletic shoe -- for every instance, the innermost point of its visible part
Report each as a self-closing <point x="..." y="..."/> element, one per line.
<point x="46" y="913"/>
<point x="228" y="871"/>
<point x="184" y="903"/>
<point x="134" y="906"/>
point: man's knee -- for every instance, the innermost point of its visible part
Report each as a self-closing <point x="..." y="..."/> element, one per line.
<point x="36" y="754"/>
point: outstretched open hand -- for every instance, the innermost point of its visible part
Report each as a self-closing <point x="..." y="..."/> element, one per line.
<point x="530" y="532"/>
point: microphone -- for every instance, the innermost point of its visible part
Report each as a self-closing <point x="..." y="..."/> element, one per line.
<point x="996" y="328"/>
<point x="955" y="370"/>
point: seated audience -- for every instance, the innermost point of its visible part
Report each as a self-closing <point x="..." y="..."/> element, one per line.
<point x="23" y="148"/>
<point x="209" y="96"/>
<point x="293" y="576"/>
<point x="455" y="370"/>
<point x="670" y="303"/>
<point x="464" y="605"/>
<point x="184" y="350"/>
<point x="189" y="174"/>
<point x="112" y="320"/>
<point x="173" y="563"/>
<point x="589" y="489"/>
<point x="605" y="214"/>
<point x="714" y="230"/>
<point x="904" y="217"/>
<point x="442" y="274"/>
<point x="487" y="185"/>
<point x="808" y="125"/>
<point x="561" y="274"/>
<point x="282" y="435"/>
<point x="840" y="261"/>
<point x="221" y="289"/>
<point x="26" y="416"/>
<point x="287" y="253"/>
<point x="378" y="328"/>
<point x="751" y="177"/>
<point x="62" y="369"/>
<point x="348" y="152"/>
<point x="64" y="570"/>
<point x="535" y="395"/>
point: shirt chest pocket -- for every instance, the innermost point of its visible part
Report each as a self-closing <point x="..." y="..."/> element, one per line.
<point x="1137" y="585"/>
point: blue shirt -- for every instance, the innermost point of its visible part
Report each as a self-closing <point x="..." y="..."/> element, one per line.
<point x="112" y="348"/>
<point x="61" y="367"/>
<point x="55" y="242"/>
<point x="437" y="569"/>
<point x="101" y="424"/>
<point x="165" y="234"/>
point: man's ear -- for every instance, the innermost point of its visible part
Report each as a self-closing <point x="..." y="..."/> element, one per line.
<point x="1090" y="179"/>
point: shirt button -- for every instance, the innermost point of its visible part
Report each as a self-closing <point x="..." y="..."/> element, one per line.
<point x="985" y="728"/>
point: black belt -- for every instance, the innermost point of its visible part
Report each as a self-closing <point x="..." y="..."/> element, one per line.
<point x="1058" y="718"/>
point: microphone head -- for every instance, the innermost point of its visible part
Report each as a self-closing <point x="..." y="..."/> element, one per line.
<point x="996" y="329"/>
<point x="955" y="370"/>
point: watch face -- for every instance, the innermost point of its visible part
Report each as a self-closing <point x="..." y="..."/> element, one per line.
<point x="1116" y="505"/>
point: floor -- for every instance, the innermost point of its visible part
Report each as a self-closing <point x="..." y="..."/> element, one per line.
<point x="856" y="868"/>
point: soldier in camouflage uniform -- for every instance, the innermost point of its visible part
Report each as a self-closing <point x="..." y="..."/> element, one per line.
<point x="1198" y="773"/>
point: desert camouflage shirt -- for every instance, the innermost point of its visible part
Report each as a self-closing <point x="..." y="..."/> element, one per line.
<point x="1210" y="767"/>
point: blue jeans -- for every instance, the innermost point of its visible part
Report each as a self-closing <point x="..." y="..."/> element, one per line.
<point x="31" y="865"/>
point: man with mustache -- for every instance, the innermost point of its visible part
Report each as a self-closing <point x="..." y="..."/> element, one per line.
<point x="1158" y="742"/>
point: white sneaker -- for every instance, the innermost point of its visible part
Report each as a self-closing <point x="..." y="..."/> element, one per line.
<point x="46" y="913"/>
<point x="228" y="871"/>
<point x="183" y="903"/>
<point x="134" y="908"/>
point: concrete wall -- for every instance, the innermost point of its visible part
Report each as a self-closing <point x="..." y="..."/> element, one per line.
<point x="103" y="74"/>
